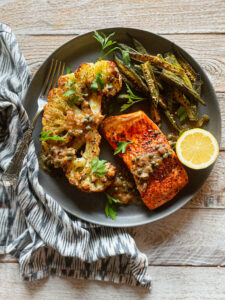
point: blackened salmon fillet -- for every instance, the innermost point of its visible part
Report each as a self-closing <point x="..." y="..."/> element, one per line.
<point x="157" y="172"/>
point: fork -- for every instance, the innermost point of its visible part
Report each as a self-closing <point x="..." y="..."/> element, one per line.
<point x="11" y="174"/>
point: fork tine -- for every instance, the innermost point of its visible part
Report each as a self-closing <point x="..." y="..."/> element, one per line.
<point x="63" y="67"/>
<point x="51" y="78"/>
<point x="46" y="80"/>
<point x="57" y="75"/>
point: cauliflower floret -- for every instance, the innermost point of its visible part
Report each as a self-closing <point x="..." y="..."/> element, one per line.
<point x="75" y="118"/>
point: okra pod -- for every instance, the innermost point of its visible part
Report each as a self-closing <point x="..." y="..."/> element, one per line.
<point x="157" y="62"/>
<point x="131" y="75"/>
<point x="170" y="78"/>
<point x="139" y="47"/>
<point x="155" y="115"/>
<point x="150" y="79"/>
<point x="182" y="99"/>
<point x="172" y="121"/>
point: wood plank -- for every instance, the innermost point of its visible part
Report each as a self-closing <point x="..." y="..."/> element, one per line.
<point x="212" y="194"/>
<point x="187" y="16"/>
<point x="169" y="283"/>
<point x="187" y="237"/>
<point x="208" y="50"/>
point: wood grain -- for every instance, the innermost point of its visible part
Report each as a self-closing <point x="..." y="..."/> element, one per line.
<point x="187" y="237"/>
<point x="170" y="283"/>
<point x="69" y="17"/>
<point x="208" y="50"/>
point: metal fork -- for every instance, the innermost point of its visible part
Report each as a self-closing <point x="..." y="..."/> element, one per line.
<point x="11" y="174"/>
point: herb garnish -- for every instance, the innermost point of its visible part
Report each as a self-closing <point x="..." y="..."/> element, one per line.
<point x="105" y="42"/>
<point x="47" y="135"/>
<point x="121" y="146"/>
<point x="98" y="82"/>
<point x="131" y="97"/>
<point x="73" y="91"/>
<point x="98" y="167"/>
<point x="110" y="208"/>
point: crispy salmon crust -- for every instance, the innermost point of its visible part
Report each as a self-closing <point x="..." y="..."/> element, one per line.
<point x="168" y="178"/>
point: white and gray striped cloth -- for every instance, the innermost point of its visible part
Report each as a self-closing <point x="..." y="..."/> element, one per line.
<point x="33" y="226"/>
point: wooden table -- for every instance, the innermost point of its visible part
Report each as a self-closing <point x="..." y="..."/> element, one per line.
<point x="186" y="250"/>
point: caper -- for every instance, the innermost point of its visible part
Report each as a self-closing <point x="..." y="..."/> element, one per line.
<point x="87" y="116"/>
<point x="153" y="162"/>
<point x="121" y="177"/>
<point x="80" y="131"/>
<point x="70" y="132"/>
<point x="150" y="155"/>
<point x="170" y="136"/>
<point x="165" y="155"/>
<point x="69" y="153"/>
<point x="120" y="174"/>
<point x="138" y="157"/>
<point x="156" y="165"/>
<point x="139" y="171"/>
<point x="124" y="185"/>
<point x="133" y="159"/>
<point x="169" y="154"/>
<point x="88" y="127"/>
<point x="157" y="147"/>
<point x="116" y="188"/>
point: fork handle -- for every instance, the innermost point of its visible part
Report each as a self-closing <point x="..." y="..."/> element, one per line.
<point x="11" y="174"/>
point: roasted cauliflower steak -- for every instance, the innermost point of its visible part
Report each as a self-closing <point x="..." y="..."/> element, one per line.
<point x="73" y="113"/>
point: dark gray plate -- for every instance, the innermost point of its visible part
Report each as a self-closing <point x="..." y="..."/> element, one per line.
<point x="90" y="207"/>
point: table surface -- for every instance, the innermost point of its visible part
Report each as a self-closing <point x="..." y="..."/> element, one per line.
<point x="186" y="251"/>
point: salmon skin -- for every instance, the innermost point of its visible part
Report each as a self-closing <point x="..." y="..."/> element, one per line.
<point x="157" y="172"/>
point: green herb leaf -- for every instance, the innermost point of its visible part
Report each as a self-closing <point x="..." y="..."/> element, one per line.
<point x="99" y="80"/>
<point x="69" y="93"/>
<point x="68" y="70"/>
<point x="105" y="42"/>
<point x="94" y="86"/>
<point x="121" y="146"/>
<point x="47" y="135"/>
<point x="74" y="100"/>
<point x="131" y="97"/>
<point x="126" y="57"/>
<point x="110" y="208"/>
<point x="98" y="167"/>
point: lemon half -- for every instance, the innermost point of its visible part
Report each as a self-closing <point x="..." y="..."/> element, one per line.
<point x="197" y="148"/>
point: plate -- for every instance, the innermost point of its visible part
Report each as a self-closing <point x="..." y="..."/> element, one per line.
<point x="90" y="207"/>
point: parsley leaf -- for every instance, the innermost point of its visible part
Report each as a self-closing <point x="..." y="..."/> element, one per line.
<point x="98" y="82"/>
<point x="105" y="42"/>
<point x="74" y="100"/>
<point x="98" y="167"/>
<point x="121" y="146"/>
<point x="68" y="70"/>
<point x="110" y="208"/>
<point x="94" y="86"/>
<point x="47" y="135"/>
<point x="68" y="93"/>
<point x="131" y="97"/>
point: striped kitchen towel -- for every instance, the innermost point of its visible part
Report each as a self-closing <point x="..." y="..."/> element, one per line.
<point x="33" y="226"/>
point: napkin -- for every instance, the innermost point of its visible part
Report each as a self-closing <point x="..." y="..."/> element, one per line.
<point x="34" y="228"/>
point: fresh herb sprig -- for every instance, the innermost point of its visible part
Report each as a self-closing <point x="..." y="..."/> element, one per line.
<point x="47" y="135"/>
<point x="98" y="82"/>
<point x="121" y="147"/>
<point x="132" y="99"/>
<point x="110" y="207"/>
<point x="106" y="42"/>
<point x="98" y="167"/>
